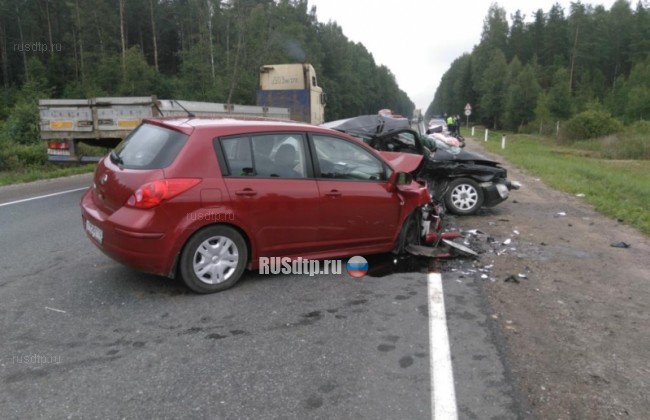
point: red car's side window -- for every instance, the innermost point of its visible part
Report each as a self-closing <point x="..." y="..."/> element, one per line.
<point x="340" y="159"/>
<point x="237" y="153"/>
<point x="278" y="155"/>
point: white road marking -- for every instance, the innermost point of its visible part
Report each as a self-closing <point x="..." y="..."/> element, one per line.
<point x="55" y="310"/>
<point x="42" y="196"/>
<point x="443" y="394"/>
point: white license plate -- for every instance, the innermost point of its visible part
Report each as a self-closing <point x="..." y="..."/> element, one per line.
<point x="58" y="152"/>
<point x="95" y="232"/>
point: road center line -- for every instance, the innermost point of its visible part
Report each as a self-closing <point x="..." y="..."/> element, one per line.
<point x="42" y="196"/>
<point x="443" y="394"/>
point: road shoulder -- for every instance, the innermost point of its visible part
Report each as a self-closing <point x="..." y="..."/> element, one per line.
<point x="573" y="308"/>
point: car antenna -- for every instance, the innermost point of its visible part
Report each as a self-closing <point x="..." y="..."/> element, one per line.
<point x="189" y="114"/>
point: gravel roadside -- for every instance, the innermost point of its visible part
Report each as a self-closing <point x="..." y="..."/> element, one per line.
<point x="574" y="310"/>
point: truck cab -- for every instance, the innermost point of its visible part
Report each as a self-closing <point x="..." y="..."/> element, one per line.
<point x="292" y="86"/>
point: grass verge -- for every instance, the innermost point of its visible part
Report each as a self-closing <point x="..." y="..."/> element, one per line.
<point x="47" y="171"/>
<point x="617" y="188"/>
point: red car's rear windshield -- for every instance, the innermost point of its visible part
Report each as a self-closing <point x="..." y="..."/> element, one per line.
<point x="149" y="147"/>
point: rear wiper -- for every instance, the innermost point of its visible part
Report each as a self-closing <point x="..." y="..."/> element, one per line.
<point x="116" y="159"/>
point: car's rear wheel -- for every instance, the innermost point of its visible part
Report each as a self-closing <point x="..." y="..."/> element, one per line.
<point x="213" y="259"/>
<point x="464" y="196"/>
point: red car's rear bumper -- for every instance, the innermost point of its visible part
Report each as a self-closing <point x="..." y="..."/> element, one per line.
<point x="150" y="252"/>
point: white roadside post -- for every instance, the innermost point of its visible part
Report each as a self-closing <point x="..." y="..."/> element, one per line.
<point x="503" y="141"/>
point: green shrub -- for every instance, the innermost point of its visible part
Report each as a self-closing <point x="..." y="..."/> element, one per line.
<point x="22" y="125"/>
<point x="632" y="143"/>
<point x="639" y="127"/>
<point x="16" y="157"/>
<point x="588" y="125"/>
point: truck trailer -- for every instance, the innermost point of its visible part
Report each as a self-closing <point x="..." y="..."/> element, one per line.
<point x="65" y="123"/>
<point x="287" y="91"/>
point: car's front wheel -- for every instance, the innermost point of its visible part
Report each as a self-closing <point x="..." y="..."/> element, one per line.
<point x="464" y="196"/>
<point x="213" y="259"/>
<point x="409" y="234"/>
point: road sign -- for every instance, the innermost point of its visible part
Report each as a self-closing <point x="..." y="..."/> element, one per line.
<point x="468" y="112"/>
<point x="468" y="107"/>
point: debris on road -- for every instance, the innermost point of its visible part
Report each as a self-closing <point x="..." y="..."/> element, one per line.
<point x="511" y="279"/>
<point x="620" y="245"/>
<point x="55" y="310"/>
<point x="460" y="248"/>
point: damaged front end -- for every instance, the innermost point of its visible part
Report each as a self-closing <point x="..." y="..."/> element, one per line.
<point x="465" y="181"/>
<point x="422" y="231"/>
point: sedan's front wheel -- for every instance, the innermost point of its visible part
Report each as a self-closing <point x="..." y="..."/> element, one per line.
<point x="464" y="196"/>
<point x="213" y="259"/>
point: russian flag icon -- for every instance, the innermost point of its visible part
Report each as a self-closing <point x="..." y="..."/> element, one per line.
<point x="357" y="266"/>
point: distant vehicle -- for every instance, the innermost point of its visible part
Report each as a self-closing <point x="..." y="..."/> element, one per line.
<point x="436" y="125"/>
<point x="287" y="91"/>
<point x="292" y="86"/>
<point x="206" y="198"/>
<point x="417" y="121"/>
<point x="104" y="122"/>
<point x="464" y="181"/>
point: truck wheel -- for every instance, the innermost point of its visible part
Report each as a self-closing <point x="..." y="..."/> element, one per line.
<point x="213" y="259"/>
<point x="464" y="196"/>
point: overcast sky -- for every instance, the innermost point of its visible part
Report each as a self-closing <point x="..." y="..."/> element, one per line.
<point x="419" y="39"/>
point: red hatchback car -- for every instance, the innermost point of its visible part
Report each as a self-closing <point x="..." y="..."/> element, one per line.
<point x="206" y="198"/>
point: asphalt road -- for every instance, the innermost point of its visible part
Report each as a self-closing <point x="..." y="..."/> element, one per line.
<point x="85" y="337"/>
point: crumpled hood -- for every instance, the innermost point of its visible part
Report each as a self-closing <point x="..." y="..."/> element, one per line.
<point x="403" y="162"/>
<point x="464" y="156"/>
<point x="368" y="125"/>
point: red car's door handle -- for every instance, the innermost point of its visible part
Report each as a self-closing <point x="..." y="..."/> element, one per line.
<point x="246" y="192"/>
<point x="333" y="193"/>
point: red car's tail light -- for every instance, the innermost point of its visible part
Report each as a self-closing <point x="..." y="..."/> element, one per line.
<point x="153" y="193"/>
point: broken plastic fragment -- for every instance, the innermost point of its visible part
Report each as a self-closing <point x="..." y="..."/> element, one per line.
<point x="620" y="244"/>
<point x="460" y="248"/>
<point x="560" y="213"/>
<point x="507" y="241"/>
<point x="511" y="279"/>
<point x="522" y="276"/>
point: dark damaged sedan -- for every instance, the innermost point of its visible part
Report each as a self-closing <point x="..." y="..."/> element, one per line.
<point x="464" y="181"/>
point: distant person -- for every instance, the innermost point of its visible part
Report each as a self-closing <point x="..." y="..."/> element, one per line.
<point x="458" y="124"/>
<point x="451" y="124"/>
